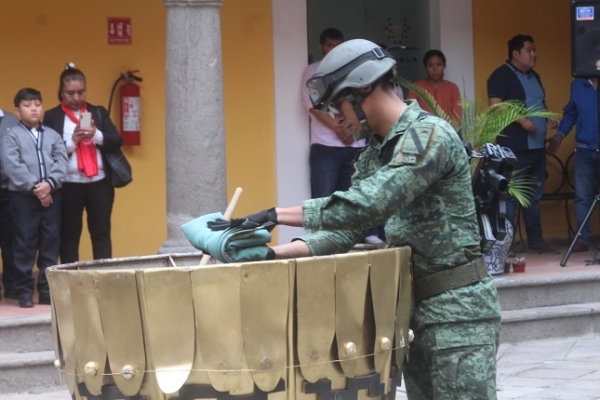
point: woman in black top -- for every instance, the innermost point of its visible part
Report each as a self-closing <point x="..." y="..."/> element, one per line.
<point x="87" y="186"/>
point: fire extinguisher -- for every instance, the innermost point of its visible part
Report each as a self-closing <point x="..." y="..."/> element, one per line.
<point x="129" y="100"/>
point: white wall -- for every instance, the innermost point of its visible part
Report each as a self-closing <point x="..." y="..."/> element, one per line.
<point x="455" y="38"/>
<point x="291" y="121"/>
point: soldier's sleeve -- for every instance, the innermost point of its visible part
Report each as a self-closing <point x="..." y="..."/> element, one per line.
<point x="322" y="243"/>
<point x="326" y="242"/>
<point x="417" y="164"/>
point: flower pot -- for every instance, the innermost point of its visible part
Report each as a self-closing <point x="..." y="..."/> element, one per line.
<point x="519" y="267"/>
<point x="495" y="258"/>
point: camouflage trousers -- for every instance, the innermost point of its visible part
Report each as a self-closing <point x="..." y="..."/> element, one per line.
<point x="453" y="361"/>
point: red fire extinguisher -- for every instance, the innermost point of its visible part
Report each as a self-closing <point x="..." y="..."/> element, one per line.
<point x="129" y="100"/>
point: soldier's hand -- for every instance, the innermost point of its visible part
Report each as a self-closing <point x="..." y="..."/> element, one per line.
<point x="266" y="218"/>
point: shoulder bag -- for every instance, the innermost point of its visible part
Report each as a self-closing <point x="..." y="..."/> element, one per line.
<point x="120" y="170"/>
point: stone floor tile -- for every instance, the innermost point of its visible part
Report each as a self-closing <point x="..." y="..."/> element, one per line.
<point x="567" y="394"/>
<point x="555" y="374"/>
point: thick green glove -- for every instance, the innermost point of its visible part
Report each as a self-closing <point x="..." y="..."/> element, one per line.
<point x="245" y="242"/>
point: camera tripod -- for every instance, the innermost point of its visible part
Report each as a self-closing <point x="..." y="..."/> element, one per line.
<point x="595" y="260"/>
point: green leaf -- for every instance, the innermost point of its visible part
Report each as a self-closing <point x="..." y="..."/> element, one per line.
<point x="481" y="124"/>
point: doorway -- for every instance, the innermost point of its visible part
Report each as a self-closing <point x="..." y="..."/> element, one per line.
<point x="402" y="26"/>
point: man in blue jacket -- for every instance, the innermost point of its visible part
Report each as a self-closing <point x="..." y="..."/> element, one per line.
<point x="582" y="112"/>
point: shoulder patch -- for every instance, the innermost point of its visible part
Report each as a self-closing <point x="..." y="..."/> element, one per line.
<point x="417" y="138"/>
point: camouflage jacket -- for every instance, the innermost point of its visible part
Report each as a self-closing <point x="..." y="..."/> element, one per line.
<point x="416" y="181"/>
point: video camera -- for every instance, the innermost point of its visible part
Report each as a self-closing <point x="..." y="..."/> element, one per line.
<point x="490" y="189"/>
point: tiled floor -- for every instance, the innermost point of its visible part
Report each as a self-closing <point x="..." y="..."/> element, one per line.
<point x="10" y="308"/>
<point x="537" y="264"/>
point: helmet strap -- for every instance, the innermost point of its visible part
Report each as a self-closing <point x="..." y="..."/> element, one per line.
<point x="357" y="100"/>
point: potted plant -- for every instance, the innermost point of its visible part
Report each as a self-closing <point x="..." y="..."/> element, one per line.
<point x="519" y="264"/>
<point x="480" y="124"/>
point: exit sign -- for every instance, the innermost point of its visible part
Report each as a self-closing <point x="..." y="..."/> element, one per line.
<point x="119" y="30"/>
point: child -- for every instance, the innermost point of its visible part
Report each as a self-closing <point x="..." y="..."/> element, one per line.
<point x="34" y="161"/>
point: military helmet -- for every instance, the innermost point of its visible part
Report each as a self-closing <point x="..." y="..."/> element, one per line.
<point x="353" y="64"/>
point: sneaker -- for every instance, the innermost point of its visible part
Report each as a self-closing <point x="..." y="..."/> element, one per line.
<point x="580" y="248"/>
<point x="373" y="239"/>
<point x="543" y="248"/>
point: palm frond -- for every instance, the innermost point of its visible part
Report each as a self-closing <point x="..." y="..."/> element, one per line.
<point x="481" y="124"/>
<point x="522" y="188"/>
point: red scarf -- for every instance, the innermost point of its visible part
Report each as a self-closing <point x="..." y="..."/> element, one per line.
<point x="87" y="160"/>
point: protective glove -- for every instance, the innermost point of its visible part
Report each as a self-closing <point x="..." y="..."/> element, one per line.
<point x="246" y="242"/>
<point x="264" y="218"/>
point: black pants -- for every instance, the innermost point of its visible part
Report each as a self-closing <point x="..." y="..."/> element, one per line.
<point x="36" y="233"/>
<point x="6" y="242"/>
<point x="97" y="199"/>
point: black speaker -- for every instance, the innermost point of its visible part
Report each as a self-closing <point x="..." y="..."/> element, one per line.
<point x="585" y="38"/>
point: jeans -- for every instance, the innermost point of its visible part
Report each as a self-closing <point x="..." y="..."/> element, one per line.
<point x="531" y="164"/>
<point x="331" y="169"/>
<point x="586" y="171"/>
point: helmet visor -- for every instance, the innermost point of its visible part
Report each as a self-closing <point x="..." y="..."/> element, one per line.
<point x="318" y="90"/>
<point x="321" y="86"/>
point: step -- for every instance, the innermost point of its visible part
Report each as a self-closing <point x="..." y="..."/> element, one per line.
<point x="24" y="334"/>
<point x="550" y="322"/>
<point x="26" y="372"/>
<point x="516" y="291"/>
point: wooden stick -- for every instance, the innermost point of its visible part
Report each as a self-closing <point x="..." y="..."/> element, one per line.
<point x="234" y="199"/>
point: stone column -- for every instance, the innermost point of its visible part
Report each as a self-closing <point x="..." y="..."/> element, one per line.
<point x="195" y="134"/>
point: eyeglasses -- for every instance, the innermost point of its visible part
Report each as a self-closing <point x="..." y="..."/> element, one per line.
<point x="321" y="86"/>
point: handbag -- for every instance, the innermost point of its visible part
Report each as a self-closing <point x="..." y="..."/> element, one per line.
<point x="120" y="169"/>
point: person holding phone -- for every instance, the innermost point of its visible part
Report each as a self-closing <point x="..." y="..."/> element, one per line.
<point x="88" y="134"/>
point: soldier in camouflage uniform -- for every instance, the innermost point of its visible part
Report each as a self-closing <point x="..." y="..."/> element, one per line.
<point x="414" y="177"/>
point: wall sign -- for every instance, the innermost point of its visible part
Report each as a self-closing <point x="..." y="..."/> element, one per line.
<point x="119" y="30"/>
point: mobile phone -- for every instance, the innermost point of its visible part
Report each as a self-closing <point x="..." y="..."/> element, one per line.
<point x="85" y="121"/>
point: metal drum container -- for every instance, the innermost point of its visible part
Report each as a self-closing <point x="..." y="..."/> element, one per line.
<point x="163" y="327"/>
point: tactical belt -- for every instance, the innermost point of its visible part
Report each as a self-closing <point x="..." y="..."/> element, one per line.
<point x="454" y="278"/>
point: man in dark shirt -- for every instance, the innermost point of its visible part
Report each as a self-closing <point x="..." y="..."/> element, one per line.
<point x="516" y="80"/>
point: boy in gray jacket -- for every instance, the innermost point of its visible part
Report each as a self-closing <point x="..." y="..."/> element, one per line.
<point x="34" y="165"/>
